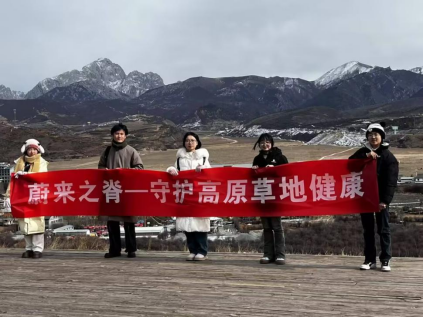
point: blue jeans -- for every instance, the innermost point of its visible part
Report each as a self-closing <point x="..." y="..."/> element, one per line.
<point x="197" y="242"/>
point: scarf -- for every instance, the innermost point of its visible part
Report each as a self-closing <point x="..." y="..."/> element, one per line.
<point x="34" y="161"/>
<point x="119" y="145"/>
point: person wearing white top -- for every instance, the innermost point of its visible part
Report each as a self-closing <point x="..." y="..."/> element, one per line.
<point x="193" y="157"/>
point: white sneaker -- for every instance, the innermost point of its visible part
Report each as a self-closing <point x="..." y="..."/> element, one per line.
<point x="368" y="265"/>
<point x="190" y="257"/>
<point x="385" y="266"/>
<point x="200" y="257"/>
<point x="280" y="261"/>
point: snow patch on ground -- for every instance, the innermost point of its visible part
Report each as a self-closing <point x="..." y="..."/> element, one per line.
<point x="337" y="137"/>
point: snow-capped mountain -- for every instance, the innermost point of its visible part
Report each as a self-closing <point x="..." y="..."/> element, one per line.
<point x="101" y="73"/>
<point x="7" y="93"/>
<point x="418" y="70"/>
<point x="376" y="86"/>
<point x="137" y="83"/>
<point x="342" y="72"/>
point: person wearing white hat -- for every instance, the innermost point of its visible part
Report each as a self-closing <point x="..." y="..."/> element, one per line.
<point x="387" y="175"/>
<point x="32" y="228"/>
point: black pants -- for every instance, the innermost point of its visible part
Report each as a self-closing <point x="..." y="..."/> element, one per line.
<point x="274" y="243"/>
<point x="383" y="230"/>
<point x="197" y="242"/>
<point x="115" y="237"/>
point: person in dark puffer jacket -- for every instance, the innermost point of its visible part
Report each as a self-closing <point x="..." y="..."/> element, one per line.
<point x="387" y="174"/>
<point x="274" y="244"/>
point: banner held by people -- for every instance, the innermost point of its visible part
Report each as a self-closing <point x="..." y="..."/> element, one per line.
<point x="325" y="187"/>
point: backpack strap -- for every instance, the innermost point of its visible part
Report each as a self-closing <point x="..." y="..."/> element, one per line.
<point x="106" y="153"/>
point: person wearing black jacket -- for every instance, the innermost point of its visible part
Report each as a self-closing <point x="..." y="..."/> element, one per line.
<point x="387" y="175"/>
<point x="274" y="244"/>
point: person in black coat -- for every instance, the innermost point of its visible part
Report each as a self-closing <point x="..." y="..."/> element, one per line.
<point x="274" y="244"/>
<point x="387" y="174"/>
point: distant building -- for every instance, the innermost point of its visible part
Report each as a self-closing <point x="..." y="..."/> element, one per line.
<point x="404" y="180"/>
<point x="5" y="171"/>
<point x="419" y="178"/>
<point x="53" y="221"/>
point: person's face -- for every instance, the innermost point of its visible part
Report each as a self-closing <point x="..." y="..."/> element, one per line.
<point x="265" y="145"/>
<point x="119" y="136"/>
<point x="190" y="143"/>
<point x="31" y="152"/>
<point x="374" y="139"/>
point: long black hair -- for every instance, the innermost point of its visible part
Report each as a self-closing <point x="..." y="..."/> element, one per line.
<point x="199" y="143"/>
<point x="264" y="137"/>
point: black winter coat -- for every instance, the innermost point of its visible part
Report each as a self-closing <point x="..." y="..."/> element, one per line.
<point x="274" y="157"/>
<point x="387" y="171"/>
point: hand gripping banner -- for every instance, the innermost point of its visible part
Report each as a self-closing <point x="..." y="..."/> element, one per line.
<point x="297" y="189"/>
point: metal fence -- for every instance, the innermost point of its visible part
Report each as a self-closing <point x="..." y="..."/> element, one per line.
<point x="5" y="171"/>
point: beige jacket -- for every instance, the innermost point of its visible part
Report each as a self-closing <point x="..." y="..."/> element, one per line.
<point x="35" y="225"/>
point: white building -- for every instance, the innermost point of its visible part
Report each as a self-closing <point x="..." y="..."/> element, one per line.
<point x="405" y="180"/>
<point x="419" y="178"/>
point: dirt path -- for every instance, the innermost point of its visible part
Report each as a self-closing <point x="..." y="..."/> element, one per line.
<point x="336" y="153"/>
<point x="86" y="164"/>
<point x="230" y="141"/>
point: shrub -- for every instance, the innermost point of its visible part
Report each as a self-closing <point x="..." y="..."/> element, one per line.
<point x="6" y="240"/>
<point x="341" y="236"/>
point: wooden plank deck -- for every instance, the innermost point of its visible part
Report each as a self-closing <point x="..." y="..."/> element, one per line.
<point x="73" y="283"/>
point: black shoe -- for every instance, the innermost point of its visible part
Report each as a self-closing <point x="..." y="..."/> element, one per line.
<point x="265" y="260"/>
<point x="280" y="261"/>
<point x="111" y="255"/>
<point x="368" y="265"/>
<point x="37" y="255"/>
<point x="131" y="255"/>
<point x="28" y="254"/>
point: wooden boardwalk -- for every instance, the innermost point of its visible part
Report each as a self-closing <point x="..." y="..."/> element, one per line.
<point x="73" y="283"/>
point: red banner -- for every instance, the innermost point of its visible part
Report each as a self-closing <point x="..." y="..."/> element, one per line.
<point x="297" y="189"/>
